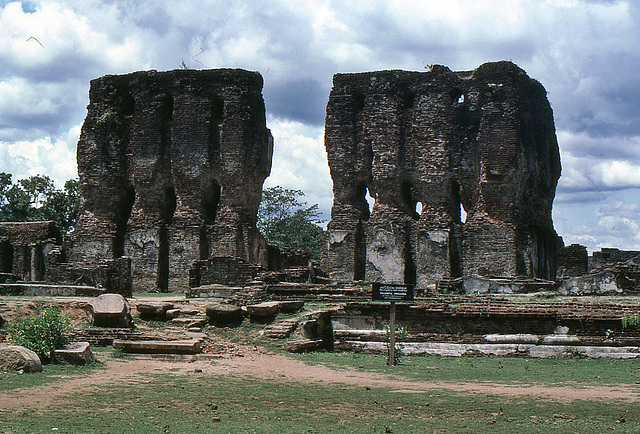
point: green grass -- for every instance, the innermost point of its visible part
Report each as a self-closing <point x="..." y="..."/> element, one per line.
<point x="49" y="374"/>
<point x="551" y="372"/>
<point x="195" y="402"/>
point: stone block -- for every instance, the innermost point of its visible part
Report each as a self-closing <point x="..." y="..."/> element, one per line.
<point x="18" y="358"/>
<point x="191" y="346"/>
<point x="302" y="345"/>
<point x="154" y="311"/>
<point x="290" y="306"/>
<point x="75" y="353"/>
<point x="225" y="315"/>
<point x="263" y="311"/>
<point x="109" y="310"/>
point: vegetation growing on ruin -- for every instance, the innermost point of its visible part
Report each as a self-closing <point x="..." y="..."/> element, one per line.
<point x="284" y="219"/>
<point x="36" y="199"/>
<point x="42" y="333"/>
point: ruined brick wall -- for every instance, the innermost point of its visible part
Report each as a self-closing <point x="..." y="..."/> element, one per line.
<point x="426" y="145"/>
<point x="24" y="247"/>
<point x="171" y="167"/>
<point x="572" y="261"/>
<point x="611" y="256"/>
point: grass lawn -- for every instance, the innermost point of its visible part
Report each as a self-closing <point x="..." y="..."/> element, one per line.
<point x="173" y="402"/>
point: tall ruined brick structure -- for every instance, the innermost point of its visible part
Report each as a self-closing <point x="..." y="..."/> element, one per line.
<point x="171" y="167"/>
<point x="425" y="145"/>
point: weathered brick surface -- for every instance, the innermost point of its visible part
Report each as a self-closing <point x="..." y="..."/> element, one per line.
<point x="171" y="166"/>
<point x="24" y="247"/>
<point x="482" y="140"/>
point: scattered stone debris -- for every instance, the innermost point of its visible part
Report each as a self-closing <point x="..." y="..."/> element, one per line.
<point x="74" y="353"/>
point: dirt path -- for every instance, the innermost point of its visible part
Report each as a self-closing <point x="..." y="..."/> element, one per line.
<point x="257" y="362"/>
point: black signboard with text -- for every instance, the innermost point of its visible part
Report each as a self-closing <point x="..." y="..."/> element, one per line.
<point x="392" y="292"/>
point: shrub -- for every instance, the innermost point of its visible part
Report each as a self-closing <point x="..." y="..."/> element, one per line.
<point x="42" y="333"/>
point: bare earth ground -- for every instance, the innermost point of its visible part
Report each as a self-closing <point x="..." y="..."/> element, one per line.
<point x="254" y="361"/>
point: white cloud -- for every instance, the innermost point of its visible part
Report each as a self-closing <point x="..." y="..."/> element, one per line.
<point x="300" y="162"/>
<point x="586" y="54"/>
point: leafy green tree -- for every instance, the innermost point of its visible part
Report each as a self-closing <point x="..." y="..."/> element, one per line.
<point x="36" y="199"/>
<point x="285" y="220"/>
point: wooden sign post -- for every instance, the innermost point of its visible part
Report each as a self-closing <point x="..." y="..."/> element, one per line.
<point x="392" y="293"/>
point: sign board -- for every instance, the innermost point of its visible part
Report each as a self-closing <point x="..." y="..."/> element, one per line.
<point x="392" y="292"/>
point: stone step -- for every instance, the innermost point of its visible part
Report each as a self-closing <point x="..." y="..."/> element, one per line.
<point x="42" y="289"/>
<point x="190" y="322"/>
<point x="191" y="346"/>
<point x="302" y="345"/>
<point x="281" y="329"/>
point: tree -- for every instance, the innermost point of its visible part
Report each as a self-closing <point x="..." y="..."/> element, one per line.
<point x="284" y="220"/>
<point x="36" y="199"/>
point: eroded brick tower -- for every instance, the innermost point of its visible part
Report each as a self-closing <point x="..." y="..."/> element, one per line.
<point x="171" y="166"/>
<point x="427" y="146"/>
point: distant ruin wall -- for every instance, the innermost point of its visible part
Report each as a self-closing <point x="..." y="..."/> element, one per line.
<point x="171" y="167"/>
<point x="24" y="247"/>
<point x="427" y="146"/>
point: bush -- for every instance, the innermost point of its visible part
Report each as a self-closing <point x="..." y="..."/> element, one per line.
<point x="42" y="333"/>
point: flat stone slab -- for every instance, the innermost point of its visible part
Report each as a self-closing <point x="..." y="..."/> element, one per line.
<point x="191" y="346"/>
<point x="291" y="306"/>
<point x="75" y="353"/>
<point x="518" y="350"/>
<point x="263" y="310"/>
<point x="156" y="311"/>
<point x="223" y="315"/>
<point x="17" y="358"/>
<point x="302" y="345"/>
<point x="109" y="310"/>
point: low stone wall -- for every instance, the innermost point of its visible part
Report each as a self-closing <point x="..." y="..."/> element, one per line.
<point x="111" y="275"/>
<point x="484" y="321"/>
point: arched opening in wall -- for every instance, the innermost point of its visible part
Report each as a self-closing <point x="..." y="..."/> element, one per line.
<point x="162" y="277"/>
<point x="457" y="96"/>
<point x="166" y="116"/>
<point x="408" y="100"/>
<point x="410" y="203"/>
<point x="124" y="205"/>
<point x="364" y="202"/>
<point x="215" y="124"/>
<point x="370" y="197"/>
<point x="410" y="271"/>
<point x="418" y="209"/>
<point x="6" y="257"/>
<point x="211" y="202"/>
<point x="169" y="200"/>
<point x="459" y="213"/>
<point x="358" y="102"/>
<point x="126" y="102"/>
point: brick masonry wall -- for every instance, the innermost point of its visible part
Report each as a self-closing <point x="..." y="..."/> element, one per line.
<point x="425" y="145"/>
<point x="171" y="167"/>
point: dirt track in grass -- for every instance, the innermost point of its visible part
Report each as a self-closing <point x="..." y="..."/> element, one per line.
<point x="258" y="362"/>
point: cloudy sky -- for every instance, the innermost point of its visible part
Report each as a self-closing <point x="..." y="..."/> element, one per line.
<point x="585" y="52"/>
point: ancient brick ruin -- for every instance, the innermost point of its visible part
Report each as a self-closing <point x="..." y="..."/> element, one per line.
<point x="171" y="166"/>
<point x="24" y="247"/>
<point x="427" y="146"/>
